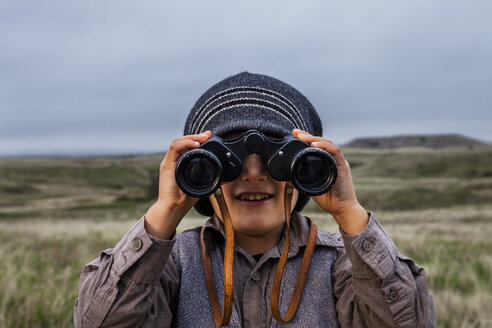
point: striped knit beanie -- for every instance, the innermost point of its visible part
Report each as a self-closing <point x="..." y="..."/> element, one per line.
<point x="252" y="101"/>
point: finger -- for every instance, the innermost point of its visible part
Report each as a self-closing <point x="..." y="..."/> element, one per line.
<point x="176" y="149"/>
<point x="305" y="136"/>
<point x="331" y="148"/>
<point x="189" y="142"/>
<point x="323" y="143"/>
<point x="201" y="138"/>
<point x="308" y="138"/>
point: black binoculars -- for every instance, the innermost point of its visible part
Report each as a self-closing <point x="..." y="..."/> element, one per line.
<point x="201" y="171"/>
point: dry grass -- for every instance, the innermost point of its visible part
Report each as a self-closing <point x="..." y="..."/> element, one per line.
<point x="42" y="260"/>
<point x="58" y="214"/>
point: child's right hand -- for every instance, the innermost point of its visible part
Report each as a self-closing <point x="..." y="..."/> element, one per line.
<point x="172" y="204"/>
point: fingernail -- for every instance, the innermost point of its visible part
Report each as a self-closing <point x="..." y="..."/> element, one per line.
<point x="302" y="135"/>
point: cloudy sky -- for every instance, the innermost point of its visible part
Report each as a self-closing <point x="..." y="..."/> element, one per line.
<point x="105" y="77"/>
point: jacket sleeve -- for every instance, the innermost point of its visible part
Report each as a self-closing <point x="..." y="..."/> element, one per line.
<point x="376" y="286"/>
<point x="131" y="285"/>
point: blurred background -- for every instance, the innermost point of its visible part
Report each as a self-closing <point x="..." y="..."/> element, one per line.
<point x="92" y="93"/>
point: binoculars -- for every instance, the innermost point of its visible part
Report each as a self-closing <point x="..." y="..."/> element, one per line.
<point x="201" y="171"/>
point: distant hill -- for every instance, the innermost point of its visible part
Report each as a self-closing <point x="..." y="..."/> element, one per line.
<point x="430" y="141"/>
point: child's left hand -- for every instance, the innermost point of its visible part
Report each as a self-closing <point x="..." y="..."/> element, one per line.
<point x="340" y="201"/>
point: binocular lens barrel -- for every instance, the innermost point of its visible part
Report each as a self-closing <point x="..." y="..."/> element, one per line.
<point x="198" y="173"/>
<point x="313" y="171"/>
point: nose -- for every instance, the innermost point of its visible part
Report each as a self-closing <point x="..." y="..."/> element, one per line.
<point x="253" y="169"/>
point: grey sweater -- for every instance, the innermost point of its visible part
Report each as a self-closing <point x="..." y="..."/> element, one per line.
<point x="354" y="281"/>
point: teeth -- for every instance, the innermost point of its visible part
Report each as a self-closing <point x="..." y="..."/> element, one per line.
<point x="253" y="196"/>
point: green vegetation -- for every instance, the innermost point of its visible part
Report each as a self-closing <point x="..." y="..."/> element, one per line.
<point x="57" y="214"/>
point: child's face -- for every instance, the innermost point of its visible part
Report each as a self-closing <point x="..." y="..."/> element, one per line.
<point x="255" y="200"/>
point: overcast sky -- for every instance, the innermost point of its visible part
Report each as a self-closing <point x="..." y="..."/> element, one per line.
<point x="105" y="77"/>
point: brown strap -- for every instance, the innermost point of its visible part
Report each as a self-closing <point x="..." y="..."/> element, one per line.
<point x="221" y="319"/>
<point x="303" y="272"/>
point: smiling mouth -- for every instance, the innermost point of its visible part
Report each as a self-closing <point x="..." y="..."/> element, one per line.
<point x="252" y="197"/>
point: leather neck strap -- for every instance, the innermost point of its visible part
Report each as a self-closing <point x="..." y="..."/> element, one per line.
<point x="222" y="318"/>
<point x="303" y="271"/>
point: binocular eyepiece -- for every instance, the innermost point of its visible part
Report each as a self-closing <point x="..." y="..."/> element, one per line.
<point x="201" y="171"/>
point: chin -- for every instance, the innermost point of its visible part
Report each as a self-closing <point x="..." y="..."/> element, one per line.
<point x="256" y="225"/>
<point x="252" y="231"/>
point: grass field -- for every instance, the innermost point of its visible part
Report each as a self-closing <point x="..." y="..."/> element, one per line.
<point x="56" y="214"/>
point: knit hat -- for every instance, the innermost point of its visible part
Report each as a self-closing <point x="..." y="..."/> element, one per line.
<point x="252" y="101"/>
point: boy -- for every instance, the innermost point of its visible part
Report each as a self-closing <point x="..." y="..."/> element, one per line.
<point x="153" y="278"/>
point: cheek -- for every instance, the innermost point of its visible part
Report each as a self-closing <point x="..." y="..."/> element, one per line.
<point x="212" y="200"/>
<point x="295" y="195"/>
<point x="226" y="189"/>
<point x="293" y="201"/>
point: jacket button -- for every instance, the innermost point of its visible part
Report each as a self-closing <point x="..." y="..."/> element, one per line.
<point x="367" y="245"/>
<point x="256" y="276"/>
<point x="137" y="244"/>
<point x="393" y="295"/>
